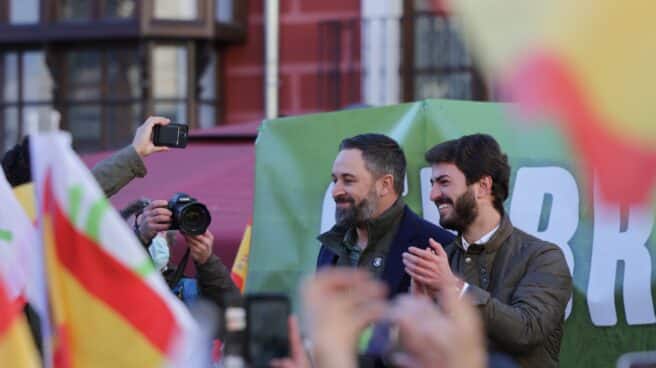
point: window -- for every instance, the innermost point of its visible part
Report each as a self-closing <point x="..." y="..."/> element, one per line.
<point x="443" y="67"/>
<point x="169" y="74"/>
<point x="23" y="11"/>
<point x="176" y="9"/>
<point x="119" y="9"/>
<point x="75" y="10"/>
<point x="365" y="60"/>
<point x="105" y="92"/>
<point x="102" y="107"/>
<point x="207" y="98"/>
<point x="26" y="95"/>
<point x="83" y="98"/>
<point x="122" y="102"/>
<point x="225" y="12"/>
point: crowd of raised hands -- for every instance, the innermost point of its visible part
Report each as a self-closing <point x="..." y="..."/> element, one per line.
<point x="338" y="304"/>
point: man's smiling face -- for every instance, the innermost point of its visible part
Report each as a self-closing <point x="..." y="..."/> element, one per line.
<point x="455" y="200"/>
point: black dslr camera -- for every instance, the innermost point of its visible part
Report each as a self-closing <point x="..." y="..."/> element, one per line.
<point x="189" y="216"/>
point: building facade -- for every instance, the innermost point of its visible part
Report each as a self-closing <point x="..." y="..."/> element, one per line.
<point x="97" y="68"/>
<point x="347" y="53"/>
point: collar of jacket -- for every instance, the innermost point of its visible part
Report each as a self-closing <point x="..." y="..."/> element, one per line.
<point x="500" y="236"/>
<point x="376" y="228"/>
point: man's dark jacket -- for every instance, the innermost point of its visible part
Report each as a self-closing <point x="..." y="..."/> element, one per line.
<point x="521" y="286"/>
<point x="412" y="231"/>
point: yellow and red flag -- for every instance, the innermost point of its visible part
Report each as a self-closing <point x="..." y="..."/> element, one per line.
<point x="17" y="254"/>
<point x="17" y="349"/>
<point x="240" y="265"/>
<point x="585" y="63"/>
<point x="17" y="244"/>
<point x="110" y="307"/>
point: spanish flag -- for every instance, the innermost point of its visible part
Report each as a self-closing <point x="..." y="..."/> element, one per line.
<point x="588" y="65"/>
<point x="240" y="265"/>
<point x="110" y="307"/>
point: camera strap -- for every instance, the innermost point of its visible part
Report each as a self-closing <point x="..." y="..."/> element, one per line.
<point x="179" y="271"/>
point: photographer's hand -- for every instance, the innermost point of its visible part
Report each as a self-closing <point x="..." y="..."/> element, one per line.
<point x="143" y="142"/>
<point x="155" y="218"/>
<point x="201" y="246"/>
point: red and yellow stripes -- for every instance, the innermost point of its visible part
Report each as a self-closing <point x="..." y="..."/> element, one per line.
<point x="586" y="63"/>
<point x="625" y="169"/>
<point x="240" y="266"/>
<point x="104" y="313"/>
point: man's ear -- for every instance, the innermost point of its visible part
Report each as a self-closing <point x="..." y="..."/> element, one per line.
<point x="386" y="185"/>
<point x="485" y="186"/>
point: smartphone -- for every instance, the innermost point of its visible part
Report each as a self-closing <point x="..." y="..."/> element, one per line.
<point x="267" y="329"/>
<point x="170" y="135"/>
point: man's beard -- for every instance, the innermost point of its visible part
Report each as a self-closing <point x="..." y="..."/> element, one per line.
<point x="464" y="211"/>
<point x="355" y="214"/>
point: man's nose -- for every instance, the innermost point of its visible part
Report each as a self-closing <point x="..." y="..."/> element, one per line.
<point x="338" y="189"/>
<point x="435" y="192"/>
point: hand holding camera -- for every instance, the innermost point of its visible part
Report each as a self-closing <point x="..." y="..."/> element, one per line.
<point x="156" y="217"/>
<point x="181" y="212"/>
<point x="200" y="246"/>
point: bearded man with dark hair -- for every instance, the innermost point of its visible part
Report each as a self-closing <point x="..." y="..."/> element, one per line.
<point x="519" y="283"/>
<point x="373" y="225"/>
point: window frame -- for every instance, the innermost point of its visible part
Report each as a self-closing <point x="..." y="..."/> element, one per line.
<point x="217" y="102"/>
<point x="5" y="13"/>
<point x="52" y="27"/>
<point x="102" y="13"/>
<point x="410" y="72"/>
<point x="20" y="104"/>
<point x="104" y="100"/>
<point x="188" y="99"/>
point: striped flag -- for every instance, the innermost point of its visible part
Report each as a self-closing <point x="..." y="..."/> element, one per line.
<point x="16" y="272"/>
<point x="240" y="265"/>
<point x="24" y="269"/>
<point x="110" y="307"/>
<point x="23" y="272"/>
<point x="17" y="241"/>
<point x="16" y="347"/>
<point x="587" y="64"/>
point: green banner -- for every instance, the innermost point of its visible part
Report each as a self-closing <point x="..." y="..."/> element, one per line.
<point x="608" y="247"/>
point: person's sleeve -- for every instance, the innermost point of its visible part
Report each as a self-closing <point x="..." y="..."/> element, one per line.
<point x="536" y="308"/>
<point x="116" y="171"/>
<point x="214" y="281"/>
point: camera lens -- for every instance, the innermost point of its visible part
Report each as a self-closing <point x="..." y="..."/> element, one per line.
<point x="194" y="219"/>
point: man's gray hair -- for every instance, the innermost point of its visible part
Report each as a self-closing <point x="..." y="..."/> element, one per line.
<point x="381" y="154"/>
